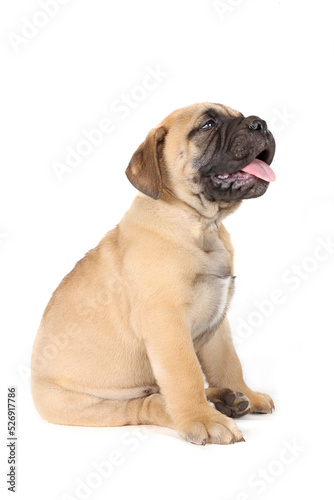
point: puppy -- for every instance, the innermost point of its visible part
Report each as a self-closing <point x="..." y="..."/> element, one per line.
<point x="127" y="332"/>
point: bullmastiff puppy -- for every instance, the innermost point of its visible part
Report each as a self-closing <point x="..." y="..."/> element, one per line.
<point x="130" y="331"/>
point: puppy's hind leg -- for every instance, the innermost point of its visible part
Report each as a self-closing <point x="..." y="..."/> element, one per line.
<point x="62" y="406"/>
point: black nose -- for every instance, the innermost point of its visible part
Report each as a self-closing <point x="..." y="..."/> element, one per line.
<point x="259" y="125"/>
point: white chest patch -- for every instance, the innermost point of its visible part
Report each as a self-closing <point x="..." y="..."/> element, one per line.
<point x="211" y="286"/>
<point x="222" y="288"/>
<point x="210" y="295"/>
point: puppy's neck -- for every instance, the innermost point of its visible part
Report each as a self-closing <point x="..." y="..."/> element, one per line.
<point x="176" y="218"/>
<point x="199" y="206"/>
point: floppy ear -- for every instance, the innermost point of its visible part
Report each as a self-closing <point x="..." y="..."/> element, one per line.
<point x="144" y="171"/>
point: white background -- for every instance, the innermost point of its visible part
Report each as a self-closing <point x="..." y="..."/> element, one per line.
<point x="265" y="57"/>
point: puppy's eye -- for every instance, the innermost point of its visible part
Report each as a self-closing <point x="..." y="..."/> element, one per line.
<point x="208" y="124"/>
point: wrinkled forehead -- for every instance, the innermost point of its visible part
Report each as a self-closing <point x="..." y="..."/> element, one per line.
<point x="184" y="119"/>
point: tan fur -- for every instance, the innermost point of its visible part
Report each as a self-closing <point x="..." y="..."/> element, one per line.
<point x="124" y="336"/>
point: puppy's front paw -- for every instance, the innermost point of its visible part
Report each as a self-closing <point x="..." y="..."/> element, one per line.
<point x="230" y="403"/>
<point x="212" y="427"/>
<point x="261" y="403"/>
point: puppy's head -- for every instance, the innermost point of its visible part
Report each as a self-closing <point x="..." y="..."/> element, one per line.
<point x="205" y="151"/>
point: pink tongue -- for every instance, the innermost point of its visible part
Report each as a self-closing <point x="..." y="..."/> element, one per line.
<point x="260" y="169"/>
